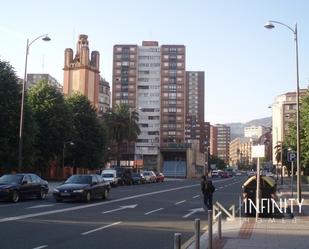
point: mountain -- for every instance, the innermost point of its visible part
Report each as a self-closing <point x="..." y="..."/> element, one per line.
<point x="237" y="129"/>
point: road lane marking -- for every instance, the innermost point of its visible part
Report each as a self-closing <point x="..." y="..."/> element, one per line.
<point x="20" y="217"/>
<point x="220" y="187"/>
<point x="156" y="210"/>
<point x="118" y="209"/>
<point x="40" y="247"/>
<point x="193" y="211"/>
<point x="177" y="203"/>
<point x="41" y="206"/>
<point x="101" y="228"/>
<point x="196" y="196"/>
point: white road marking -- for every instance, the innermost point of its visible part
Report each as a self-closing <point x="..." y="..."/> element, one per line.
<point x="193" y="211"/>
<point x="156" y="210"/>
<point x="100" y="228"/>
<point x="42" y="206"/>
<point x="13" y="218"/>
<point x="40" y="247"/>
<point x="118" y="209"/>
<point x="220" y="187"/>
<point x="196" y="196"/>
<point x="177" y="203"/>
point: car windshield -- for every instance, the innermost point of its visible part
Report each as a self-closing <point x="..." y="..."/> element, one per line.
<point x="11" y="179"/>
<point x="107" y="175"/>
<point x="79" y="179"/>
<point x="146" y="173"/>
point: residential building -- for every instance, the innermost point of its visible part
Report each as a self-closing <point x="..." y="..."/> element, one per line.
<point x="220" y="141"/>
<point x="283" y="113"/>
<point x="34" y="78"/>
<point x="240" y="152"/>
<point x="254" y="131"/>
<point x="195" y="107"/>
<point x="81" y="73"/>
<point x="104" y="97"/>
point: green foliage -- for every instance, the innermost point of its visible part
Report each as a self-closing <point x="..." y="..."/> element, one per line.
<point x="218" y="161"/>
<point x="53" y="121"/>
<point x="290" y="139"/>
<point x="121" y="126"/>
<point x="9" y="116"/>
<point x="87" y="135"/>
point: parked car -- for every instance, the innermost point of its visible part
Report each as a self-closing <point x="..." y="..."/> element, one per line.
<point x="223" y="174"/>
<point x="268" y="189"/>
<point x="124" y="174"/>
<point x="16" y="186"/>
<point x="110" y="175"/>
<point x="159" y="177"/>
<point x="150" y="176"/>
<point x="82" y="187"/>
<point x="138" y="178"/>
<point x="215" y="173"/>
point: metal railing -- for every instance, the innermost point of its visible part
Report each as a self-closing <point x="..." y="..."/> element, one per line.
<point x="197" y="229"/>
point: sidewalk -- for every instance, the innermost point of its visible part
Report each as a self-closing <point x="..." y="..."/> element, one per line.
<point x="266" y="233"/>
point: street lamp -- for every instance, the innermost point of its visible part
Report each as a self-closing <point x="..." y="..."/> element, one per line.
<point x="270" y="25"/>
<point x="63" y="150"/>
<point x="44" y="37"/>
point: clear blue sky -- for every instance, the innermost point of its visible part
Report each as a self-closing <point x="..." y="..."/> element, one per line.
<point x="245" y="65"/>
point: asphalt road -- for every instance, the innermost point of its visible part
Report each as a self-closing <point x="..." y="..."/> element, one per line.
<point x="138" y="216"/>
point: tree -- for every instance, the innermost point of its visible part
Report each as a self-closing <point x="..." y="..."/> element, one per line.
<point x="122" y="128"/>
<point x="303" y="135"/>
<point x="53" y="121"/>
<point x="10" y="103"/>
<point x="88" y="134"/>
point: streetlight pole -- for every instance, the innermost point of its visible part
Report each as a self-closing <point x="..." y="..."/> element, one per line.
<point x="270" y="25"/>
<point x="21" y="123"/>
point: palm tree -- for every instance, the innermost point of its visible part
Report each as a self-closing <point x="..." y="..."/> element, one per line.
<point x="122" y="128"/>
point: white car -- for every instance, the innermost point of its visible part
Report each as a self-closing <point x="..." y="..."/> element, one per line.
<point x="110" y="176"/>
<point x="150" y="176"/>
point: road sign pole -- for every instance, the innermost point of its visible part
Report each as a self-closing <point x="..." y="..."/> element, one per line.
<point x="292" y="176"/>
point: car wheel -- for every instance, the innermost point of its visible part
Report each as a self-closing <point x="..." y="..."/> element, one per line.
<point x="105" y="194"/>
<point x="88" y="197"/>
<point x="42" y="194"/>
<point x="15" y="196"/>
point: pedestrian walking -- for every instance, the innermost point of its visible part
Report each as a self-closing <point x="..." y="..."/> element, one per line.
<point x="207" y="189"/>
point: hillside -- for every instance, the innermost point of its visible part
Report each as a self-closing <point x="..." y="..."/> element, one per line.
<point x="237" y="129"/>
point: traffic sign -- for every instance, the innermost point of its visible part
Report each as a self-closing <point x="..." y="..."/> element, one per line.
<point x="291" y="156"/>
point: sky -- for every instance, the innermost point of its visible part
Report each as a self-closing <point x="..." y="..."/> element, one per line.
<point x="246" y="66"/>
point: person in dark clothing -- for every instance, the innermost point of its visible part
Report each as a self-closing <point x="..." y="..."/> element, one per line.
<point x="207" y="189"/>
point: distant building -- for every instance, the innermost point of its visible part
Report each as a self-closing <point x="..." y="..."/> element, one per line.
<point x="220" y="136"/>
<point x="104" y="97"/>
<point x="34" y="78"/>
<point x="81" y="73"/>
<point x="255" y="132"/>
<point x="240" y="152"/>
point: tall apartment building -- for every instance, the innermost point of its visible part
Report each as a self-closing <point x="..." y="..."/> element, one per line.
<point x="34" y="78"/>
<point x="283" y="113"/>
<point x="151" y="80"/>
<point x="104" y="97"/>
<point x="220" y="141"/>
<point x="240" y="152"/>
<point x="81" y="73"/>
<point x="173" y="94"/>
<point x="195" y="107"/>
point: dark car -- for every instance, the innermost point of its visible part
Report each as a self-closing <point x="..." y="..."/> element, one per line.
<point x="138" y="178"/>
<point x="82" y="187"/>
<point x="16" y="186"/>
<point x="268" y="191"/>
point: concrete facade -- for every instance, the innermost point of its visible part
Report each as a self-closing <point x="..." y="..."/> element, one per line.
<point x="104" y="97"/>
<point x="81" y="73"/>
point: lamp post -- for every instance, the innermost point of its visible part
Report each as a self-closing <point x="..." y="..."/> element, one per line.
<point x="270" y="25"/>
<point x="63" y="150"/>
<point x="21" y="123"/>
